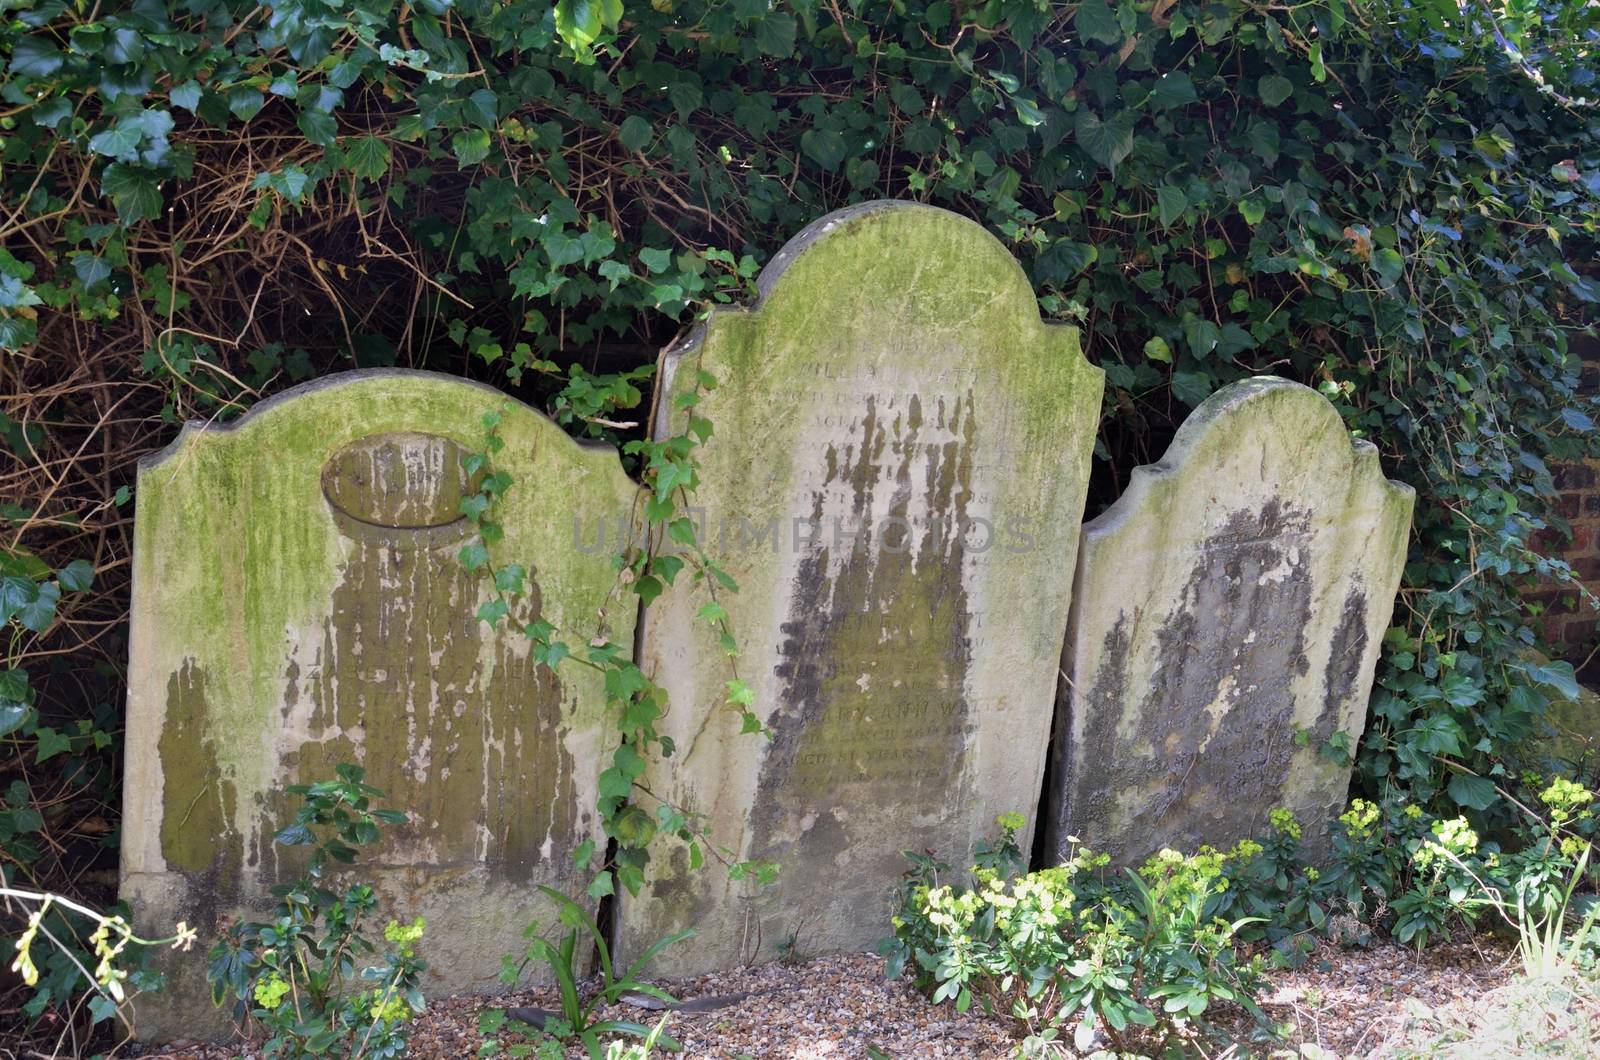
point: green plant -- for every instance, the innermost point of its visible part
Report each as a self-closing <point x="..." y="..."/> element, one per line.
<point x="1272" y="891"/>
<point x="665" y="549"/>
<point x="639" y="1050"/>
<point x="112" y="936"/>
<point x="62" y="765"/>
<point x="293" y="975"/>
<point x="1551" y="838"/>
<point x="1549" y="946"/>
<point x="579" y="1007"/>
<point x="1137" y="960"/>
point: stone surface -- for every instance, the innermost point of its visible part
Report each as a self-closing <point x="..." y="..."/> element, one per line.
<point x="896" y="483"/>
<point x="298" y="602"/>
<point x="1566" y="738"/>
<point x="1226" y="620"/>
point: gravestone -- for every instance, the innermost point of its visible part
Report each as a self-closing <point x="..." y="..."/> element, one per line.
<point x="896" y="479"/>
<point x="298" y="602"/>
<point x="1226" y="620"/>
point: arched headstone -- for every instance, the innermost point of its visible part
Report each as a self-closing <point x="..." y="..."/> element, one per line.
<point x="896" y="479"/>
<point x="1226" y="620"/>
<point x="298" y="602"/>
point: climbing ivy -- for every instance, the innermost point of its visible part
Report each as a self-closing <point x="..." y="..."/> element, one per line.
<point x="662" y="550"/>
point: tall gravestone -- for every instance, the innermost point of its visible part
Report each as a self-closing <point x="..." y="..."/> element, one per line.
<point x="298" y="602"/>
<point x="895" y="482"/>
<point x="1226" y="621"/>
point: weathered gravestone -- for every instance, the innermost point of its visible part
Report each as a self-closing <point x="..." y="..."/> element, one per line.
<point x="895" y="482"/>
<point x="298" y="602"/>
<point x="1226" y="621"/>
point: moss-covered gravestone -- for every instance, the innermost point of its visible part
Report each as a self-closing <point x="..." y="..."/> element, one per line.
<point x="298" y="602"/>
<point x="1225" y="625"/>
<point x="895" y="482"/>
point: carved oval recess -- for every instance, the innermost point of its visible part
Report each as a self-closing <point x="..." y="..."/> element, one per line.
<point x="397" y="481"/>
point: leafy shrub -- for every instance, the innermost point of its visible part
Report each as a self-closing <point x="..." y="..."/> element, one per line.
<point x="578" y="1008"/>
<point x="1150" y="954"/>
<point x="1398" y="867"/>
<point x="292" y="975"/>
<point x="1138" y="961"/>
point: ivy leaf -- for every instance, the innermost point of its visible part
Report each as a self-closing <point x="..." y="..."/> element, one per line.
<point x="1107" y="142"/>
<point x="1555" y="674"/>
<point x="1172" y="90"/>
<point x="51" y="112"/>
<point x="775" y="34"/>
<point x="1274" y="89"/>
<point x="121" y="141"/>
<point x="634" y="132"/>
<point x="1171" y="203"/>
<point x="1158" y="350"/>
<point x="1200" y="335"/>
<point x="246" y="102"/>
<point x="91" y="269"/>
<point x="51" y="743"/>
<point x="77" y="576"/>
<point x="483" y="108"/>
<point x="471" y="146"/>
<point x="186" y="95"/>
<point x="1191" y="388"/>
<point x="580" y="22"/>
<point x="1096" y="21"/>
<point x="1578" y="421"/>
<point x="906" y="98"/>
<point x="1253" y="210"/>
<point x="826" y="147"/>
<point x="35" y="57"/>
<point x="1475" y="793"/>
<point x="1388" y="264"/>
<point x="39" y="611"/>
<point x="101" y="1008"/>
<point x="16" y="697"/>
<point x="136" y="194"/>
<point x="318" y="127"/>
<point x="367" y="157"/>
<point x="1028" y="112"/>
<point x="509" y="579"/>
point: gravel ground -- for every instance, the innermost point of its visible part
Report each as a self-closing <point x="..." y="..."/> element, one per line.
<point x="1347" y="1002"/>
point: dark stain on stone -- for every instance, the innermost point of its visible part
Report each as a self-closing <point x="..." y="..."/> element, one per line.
<point x="1239" y="638"/>
<point x="1344" y="659"/>
<point x="1101" y="711"/>
<point x="197" y="833"/>
<point x="872" y="722"/>
<point x="398" y="684"/>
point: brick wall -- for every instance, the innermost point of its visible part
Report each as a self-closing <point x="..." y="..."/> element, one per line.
<point x="1570" y="623"/>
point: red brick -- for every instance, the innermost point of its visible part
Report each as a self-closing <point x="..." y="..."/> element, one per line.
<point x="1578" y="632"/>
<point x="1587" y="568"/>
<point x="1570" y="505"/>
<point x="1574" y="477"/>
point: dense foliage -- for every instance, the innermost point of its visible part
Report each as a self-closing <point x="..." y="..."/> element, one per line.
<point x="294" y="977"/>
<point x="207" y="201"/>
